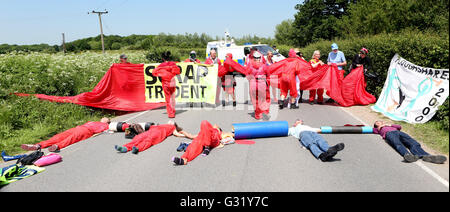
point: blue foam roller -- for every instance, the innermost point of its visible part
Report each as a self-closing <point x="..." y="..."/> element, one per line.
<point x="261" y="129"/>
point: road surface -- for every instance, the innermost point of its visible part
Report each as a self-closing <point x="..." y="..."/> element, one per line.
<point x="272" y="164"/>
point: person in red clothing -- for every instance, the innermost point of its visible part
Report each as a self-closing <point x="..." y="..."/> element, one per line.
<point x="258" y="75"/>
<point x="288" y="83"/>
<point x="208" y="138"/>
<point x="167" y="71"/>
<point x="70" y="136"/>
<point x="155" y="135"/>
<point x="315" y="64"/>
<point x="192" y="58"/>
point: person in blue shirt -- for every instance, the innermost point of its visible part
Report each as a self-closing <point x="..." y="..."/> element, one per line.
<point x="337" y="57"/>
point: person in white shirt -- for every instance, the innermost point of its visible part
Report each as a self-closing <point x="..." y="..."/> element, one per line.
<point x="311" y="140"/>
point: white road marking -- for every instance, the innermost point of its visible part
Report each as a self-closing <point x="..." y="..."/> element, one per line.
<point x="418" y="163"/>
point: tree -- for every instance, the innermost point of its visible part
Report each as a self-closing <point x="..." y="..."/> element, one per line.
<point x="316" y="20"/>
<point x="371" y="17"/>
<point x="284" y="32"/>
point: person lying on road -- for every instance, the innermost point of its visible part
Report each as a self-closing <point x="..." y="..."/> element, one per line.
<point x="155" y="135"/>
<point x="208" y="138"/>
<point x="70" y="136"/>
<point x="401" y="142"/>
<point x="311" y="140"/>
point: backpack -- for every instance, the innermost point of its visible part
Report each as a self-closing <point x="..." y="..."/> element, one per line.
<point x="31" y="158"/>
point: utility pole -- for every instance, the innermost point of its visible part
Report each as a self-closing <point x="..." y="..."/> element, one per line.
<point x="100" y="13"/>
<point x="64" y="43"/>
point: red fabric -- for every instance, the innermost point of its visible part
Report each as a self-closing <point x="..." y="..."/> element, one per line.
<point x="207" y="137"/>
<point x="68" y="137"/>
<point x="155" y="135"/>
<point x="210" y="61"/>
<point x="354" y="89"/>
<point x="167" y="71"/>
<point x="258" y="75"/>
<point x="96" y="126"/>
<point x="189" y="61"/>
<point x="348" y="92"/>
<point x="326" y="77"/>
<point x="121" y="88"/>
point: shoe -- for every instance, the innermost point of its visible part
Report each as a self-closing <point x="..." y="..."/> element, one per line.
<point x="281" y="104"/>
<point x="185" y="146"/>
<point x="223" y="103"/>
<point x="234" y="103"/>
<point x="438" y="159"/>
<point x="8" y="158"/>
<point x="330" y="100"/>
<point x="320" y="102"/>
<point x="293" y="106"/>
<point x="410" y="158"/>
<point x="53" y="148"/>
<point x="206" y="151"/>
<point x="181" y="147"/>
<point x="30" y="147"/>
<point x="311" y="102"/>
<point x="135" y="150"/>
<point x="121" y="149"/>
<point x="338" y="147"/>
<point x="323" y="157"/>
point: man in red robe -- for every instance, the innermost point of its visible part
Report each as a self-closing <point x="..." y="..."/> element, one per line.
<point x="167" y="71"/>
<point x="208" y="138"/>
<point x="155" y="135"/>
<point x="70" y="136"/>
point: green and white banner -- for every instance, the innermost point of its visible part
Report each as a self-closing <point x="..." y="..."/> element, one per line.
<point x="412" y="93"/>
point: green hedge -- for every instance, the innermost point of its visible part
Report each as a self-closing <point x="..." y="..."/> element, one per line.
<point x="425" y="49"/>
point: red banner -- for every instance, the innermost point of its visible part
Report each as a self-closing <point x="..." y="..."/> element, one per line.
<point x="121" y="88"/>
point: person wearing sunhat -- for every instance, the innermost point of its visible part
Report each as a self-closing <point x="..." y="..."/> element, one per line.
<point x="337" y="57"/>
<point x="123" y="59"/>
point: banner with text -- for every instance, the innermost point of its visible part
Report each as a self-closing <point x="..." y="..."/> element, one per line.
<point x="196" y="83"/>
<point x="412" y="93"/>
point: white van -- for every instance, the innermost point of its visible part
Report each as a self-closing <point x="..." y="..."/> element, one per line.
<point x="239" y="52"/>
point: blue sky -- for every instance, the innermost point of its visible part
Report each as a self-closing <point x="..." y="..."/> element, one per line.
<point x="43" y="21"/>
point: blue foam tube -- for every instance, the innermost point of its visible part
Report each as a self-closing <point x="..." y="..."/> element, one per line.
<point x="261" y="129"/>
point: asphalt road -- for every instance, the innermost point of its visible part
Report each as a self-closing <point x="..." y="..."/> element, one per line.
<point x="272" y="164"/>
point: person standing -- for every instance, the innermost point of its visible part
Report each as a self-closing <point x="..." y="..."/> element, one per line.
<point x="274" y="84"/>
<point x="192" y="58"/>
<point x="257" y="73"/>
<point x="316" y="63"/>
<point x="361" y="59"/>
<point x="124" y="59"/>
<point x="337" y="57"/>
<point x="167" y="71"/>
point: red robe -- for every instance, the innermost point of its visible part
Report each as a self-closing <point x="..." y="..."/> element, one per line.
<point x="75" y="134"/>
<point x="155" y="135"/>
<point x="167" y="71"/>
<point x="207" y="137"/>
<point x="258" y="75"/>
